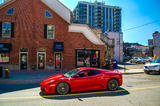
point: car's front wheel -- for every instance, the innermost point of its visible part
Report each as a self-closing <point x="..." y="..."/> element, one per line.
<point x="62" y="88"/>
<point x="147" y="72"/>
<point x="112" y="85"/>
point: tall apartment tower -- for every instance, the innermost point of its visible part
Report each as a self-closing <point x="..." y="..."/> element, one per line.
<point x="98" y="15"/>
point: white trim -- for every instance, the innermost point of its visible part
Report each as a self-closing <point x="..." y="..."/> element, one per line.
<point x="87" y="32"/>
<point x="59" y="8"/>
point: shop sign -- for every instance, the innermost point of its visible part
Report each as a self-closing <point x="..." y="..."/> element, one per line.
<point x="58" y="46"/>
<point x="5" y="47"/>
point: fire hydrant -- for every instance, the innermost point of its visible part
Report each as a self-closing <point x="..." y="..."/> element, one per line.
<point x="6" y="73"/>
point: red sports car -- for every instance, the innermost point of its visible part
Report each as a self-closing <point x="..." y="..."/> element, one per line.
<point x="82" y="79"/>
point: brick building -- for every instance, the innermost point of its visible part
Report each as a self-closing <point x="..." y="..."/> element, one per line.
<point x="37" y="34"/>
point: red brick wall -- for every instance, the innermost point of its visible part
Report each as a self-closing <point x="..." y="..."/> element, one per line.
<point x="29" y="19"/>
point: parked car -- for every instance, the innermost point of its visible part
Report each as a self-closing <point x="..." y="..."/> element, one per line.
<point x="148" y="59"/>
<point x="138" y="60"/>
<point x="154" y="66"/>
<point x="82" y="79"/>
<point x="141" y="60"/>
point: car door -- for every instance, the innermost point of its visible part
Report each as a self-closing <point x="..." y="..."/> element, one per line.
<point x="81" y="82"/>
<point x="98" y="77"/>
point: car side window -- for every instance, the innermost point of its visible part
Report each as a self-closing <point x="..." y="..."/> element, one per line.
<point x="87" y="73"/>
<point x="82" y="74"/>
<point x="93" y="72"/>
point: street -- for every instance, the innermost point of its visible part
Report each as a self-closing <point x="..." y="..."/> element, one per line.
<point x="137" y="90"/>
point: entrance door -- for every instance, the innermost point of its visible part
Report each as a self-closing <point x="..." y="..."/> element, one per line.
<point x="41" y="60"/>
<point x="58" y="61"/>
<point x="23" y="61"/>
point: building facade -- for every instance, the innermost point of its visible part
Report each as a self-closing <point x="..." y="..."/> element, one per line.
<point x="118" y="45"/>
<point x="136" y="50"/>
<point x="156" y="44"/>
<point x="37" y="34"/>
<point x="98" y="15"/>
<point x="150" y="44"/>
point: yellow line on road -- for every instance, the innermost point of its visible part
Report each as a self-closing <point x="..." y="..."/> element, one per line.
<point x="76" y="94"/>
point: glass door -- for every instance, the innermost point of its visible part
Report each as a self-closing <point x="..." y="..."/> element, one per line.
<point x="23" y="61"/>
<point x="41" y="60"/>
<point x="58" y="61"/>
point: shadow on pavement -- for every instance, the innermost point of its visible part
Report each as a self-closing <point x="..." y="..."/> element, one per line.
<point x="5" y="88"/>
<point x="81" y="95"/>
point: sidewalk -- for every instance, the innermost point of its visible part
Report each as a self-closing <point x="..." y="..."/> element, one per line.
<point x="28" y="77"/>
<point x="131" y="71"/>
<point x="39" y="76"/>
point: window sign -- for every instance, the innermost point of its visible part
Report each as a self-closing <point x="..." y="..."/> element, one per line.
<point x="6" y="30"/>
<point x="58" y="46"/>
<point x="5" y="47"/>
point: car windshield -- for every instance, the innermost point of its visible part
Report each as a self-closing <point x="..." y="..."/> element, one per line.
<point x="71" y="73"/>
<point x="156" y="61"/>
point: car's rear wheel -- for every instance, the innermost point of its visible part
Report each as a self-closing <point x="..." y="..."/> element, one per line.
<point x="62" y="88"/>
<point x="112" y="85"/>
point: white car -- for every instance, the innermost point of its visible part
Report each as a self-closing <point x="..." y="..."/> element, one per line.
<point x="154" y="66"/>
<point x="138" y="60"/>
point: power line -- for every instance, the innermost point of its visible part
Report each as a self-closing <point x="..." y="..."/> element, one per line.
<point x="141" y="25"/>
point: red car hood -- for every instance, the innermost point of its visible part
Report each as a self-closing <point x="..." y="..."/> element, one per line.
<point x="54" y="77"/>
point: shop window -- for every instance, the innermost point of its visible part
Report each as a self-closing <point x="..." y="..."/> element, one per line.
<point x="80" y="58"/>
<point x="6" y="33"/>
<point x="87" y="58"/>
<point x="48" y="14"/>
<point x="10" y="11"/>
<point x="4" y="58"/>
<point x="50" y="31"/>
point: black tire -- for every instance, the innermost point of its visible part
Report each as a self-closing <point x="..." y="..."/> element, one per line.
<point x="62" y="88"/>
<point x="112" y="85"/>
<point x="147" y="72"/>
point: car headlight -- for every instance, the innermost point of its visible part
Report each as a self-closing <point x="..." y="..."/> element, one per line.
<point x="50" y="81"/>
<point x="145" y="67"/>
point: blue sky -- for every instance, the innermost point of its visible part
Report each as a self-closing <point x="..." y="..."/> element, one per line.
<point x="134" y="13"/>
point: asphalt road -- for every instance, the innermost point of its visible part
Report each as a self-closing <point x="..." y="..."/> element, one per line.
<point x="137" y="90"/>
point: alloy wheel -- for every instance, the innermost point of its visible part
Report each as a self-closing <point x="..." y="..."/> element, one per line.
<point x="62" y="88"/>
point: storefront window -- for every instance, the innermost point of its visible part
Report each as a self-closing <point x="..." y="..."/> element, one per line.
<point x="87" y="58"/>
<point x="80" y="58"/>
<point x="4" y="57"/>
<point x="7" y="30"/>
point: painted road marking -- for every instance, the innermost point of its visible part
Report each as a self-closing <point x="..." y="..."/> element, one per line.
<point x="76" y="94"/>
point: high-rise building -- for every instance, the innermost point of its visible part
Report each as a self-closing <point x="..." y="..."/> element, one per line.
<point x="98" y="15"/>
<point x="156" y="44"/>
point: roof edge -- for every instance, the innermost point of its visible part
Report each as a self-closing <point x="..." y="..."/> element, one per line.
<point x="6" y="3"/>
